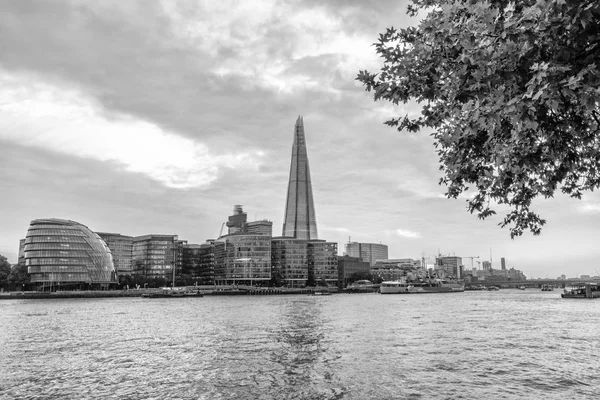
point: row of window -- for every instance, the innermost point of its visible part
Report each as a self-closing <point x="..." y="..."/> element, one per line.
<point x="56" y="268"/>
<point x="54" y="239"/>
<point x="57" y="277"/>
<point x="54" y="232"/>
<point x="56" y="261"/>
<point x="56" y="246"/>
<point x="56" y="253"/>
<point x="54" y="226"/>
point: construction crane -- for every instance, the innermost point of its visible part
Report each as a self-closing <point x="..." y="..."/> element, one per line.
<point x="472" y="260"/>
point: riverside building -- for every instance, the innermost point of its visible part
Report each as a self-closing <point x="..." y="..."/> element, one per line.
<point x="243" y="259"/>
<point x="369" y="252"/>
<point x="121" y="247"/>
<point x="154" y="256"/>
<point x="322" y="262"/>
<point x="289" y="261"/>
<point x="62" y="254"/>
<point x="347" y="266"/>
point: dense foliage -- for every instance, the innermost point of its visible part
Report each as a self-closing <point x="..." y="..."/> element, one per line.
<point x="511" y="91"/>
<point x="4" y="271"/>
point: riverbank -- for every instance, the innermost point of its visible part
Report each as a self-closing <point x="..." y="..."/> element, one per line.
<point x="138" y="293"/>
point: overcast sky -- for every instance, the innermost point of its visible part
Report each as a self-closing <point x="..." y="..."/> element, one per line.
<point x="145" y="117"/>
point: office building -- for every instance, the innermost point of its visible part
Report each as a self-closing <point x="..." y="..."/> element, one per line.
<point x="449" y="266"/>
<point x="369" y="252"/>
<point x="289" y="261"/>
<point x="502" y="263"/>
<point x="263" y="227"/>
<point x="348" y="266"/>
<point x="322" y="262"/>
<point x="243" y="259"/>
<point x="62" y="254"/>
<point x="300" y="221"/>
<point x="121" y="247"/>
<point x="236" y="222"/>
<point x="155" y="256"/>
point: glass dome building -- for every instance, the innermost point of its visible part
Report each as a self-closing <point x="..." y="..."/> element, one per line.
<point x="66" y="254"/>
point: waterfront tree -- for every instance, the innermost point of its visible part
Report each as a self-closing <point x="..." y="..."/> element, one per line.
<point x="511" y="91"/>
<point x="19" y="277"/>
<point x="4" y="271"/>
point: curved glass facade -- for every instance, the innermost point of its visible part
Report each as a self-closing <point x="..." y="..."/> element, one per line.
<point x="68" y="253"/>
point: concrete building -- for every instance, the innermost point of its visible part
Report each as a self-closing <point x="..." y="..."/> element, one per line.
<point x="449" y="266"/>
<point x="263" y="227"/>
<point x="121" y="247"/>
<point x="236" y="222"/>
<point x="369" y="252"/>
<point x="62" y="254"/>
<point x="347" y="266"/>
<point x="502" y="263"/>
<point x="21" y="254"/>
<point x="300" y="220"/>
<point x="396" y="268"/>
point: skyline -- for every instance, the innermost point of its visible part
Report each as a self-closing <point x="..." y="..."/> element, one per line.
<point x="145" y="118"/>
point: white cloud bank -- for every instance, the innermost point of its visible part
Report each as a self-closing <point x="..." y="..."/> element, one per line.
<point x="63" y="120"/>
<point x="407" y="234"/>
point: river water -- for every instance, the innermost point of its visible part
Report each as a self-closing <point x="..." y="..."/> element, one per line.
<point x="507" y="344"/>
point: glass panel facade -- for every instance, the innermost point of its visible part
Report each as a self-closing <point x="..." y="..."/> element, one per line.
<point x="322" y="262"/>
<point x="154" y="256"/>
<point x="243" y="258"/>
<point x="300" y="218"/>
<point x="66" y="252"/>
<point x="289" y="258"/>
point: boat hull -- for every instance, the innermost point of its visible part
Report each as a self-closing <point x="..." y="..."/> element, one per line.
<point x="392" y="288"/>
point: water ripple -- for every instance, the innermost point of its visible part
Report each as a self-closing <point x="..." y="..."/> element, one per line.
<point x="501" y="345"/>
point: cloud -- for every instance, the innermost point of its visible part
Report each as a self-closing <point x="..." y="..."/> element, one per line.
<point x="406" y="234"/>
<point x="67" y="121"/>
<point x="590" y="208"/>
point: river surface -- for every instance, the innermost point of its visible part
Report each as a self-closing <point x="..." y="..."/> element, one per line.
<point x="507" y="344"/>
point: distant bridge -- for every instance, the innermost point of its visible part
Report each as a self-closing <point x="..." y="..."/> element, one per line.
<point x="532" y="283"/>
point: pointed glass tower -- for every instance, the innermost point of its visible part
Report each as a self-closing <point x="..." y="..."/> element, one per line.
<point x="300" y="219"/>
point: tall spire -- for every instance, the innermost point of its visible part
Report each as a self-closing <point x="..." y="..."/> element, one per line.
<point x="300" y="219"/>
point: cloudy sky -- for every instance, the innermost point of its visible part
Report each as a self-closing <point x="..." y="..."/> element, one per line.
<point x="158" y="116"/>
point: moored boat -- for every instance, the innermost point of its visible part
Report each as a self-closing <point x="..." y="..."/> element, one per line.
<point x="430" y="286"/>
<point x="166" y="293"/>
<point x="582" y="291"/>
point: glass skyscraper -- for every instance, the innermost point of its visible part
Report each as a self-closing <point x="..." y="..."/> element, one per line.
<point x="66" y="254"/>
<point x="300" y="221"/>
